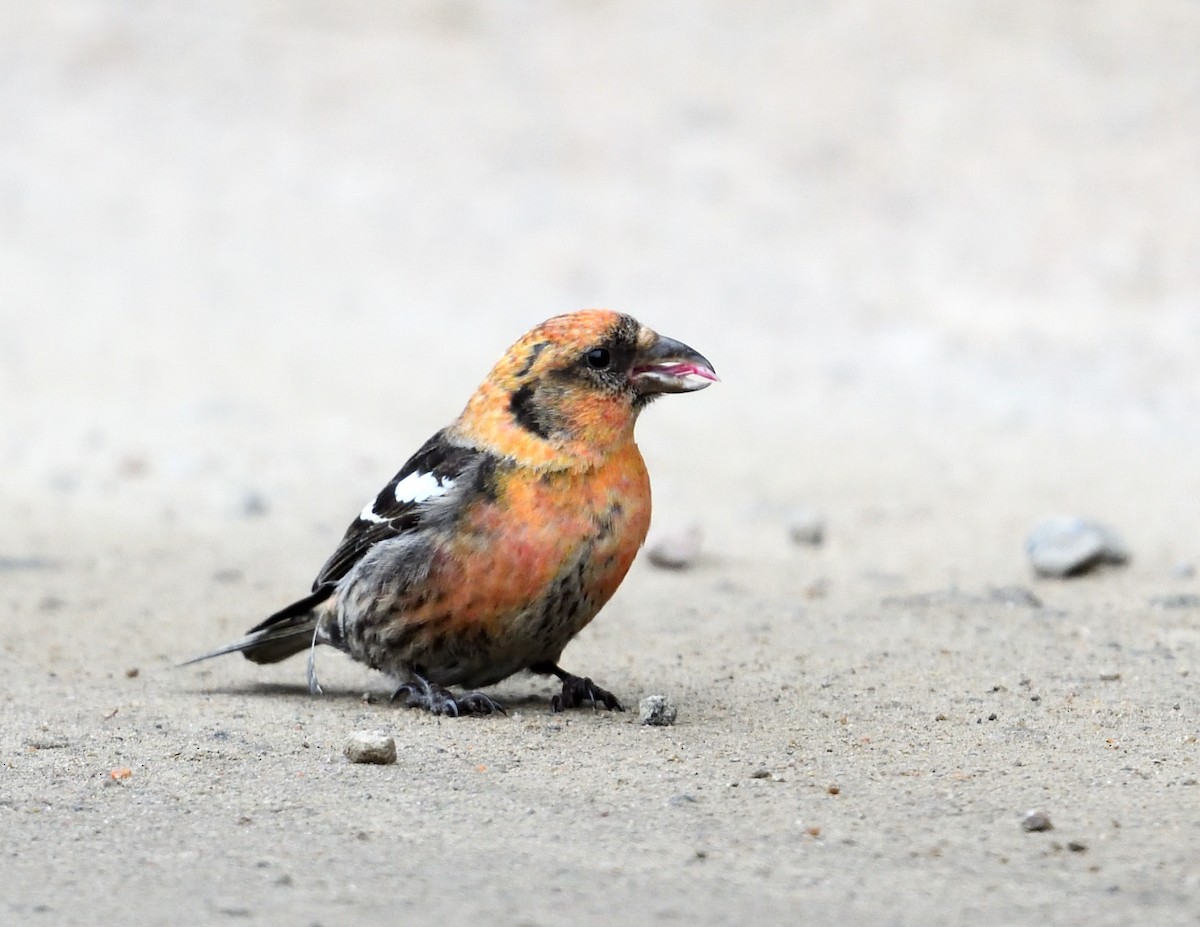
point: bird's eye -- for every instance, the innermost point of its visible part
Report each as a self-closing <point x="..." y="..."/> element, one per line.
<point x="598" y="358"/>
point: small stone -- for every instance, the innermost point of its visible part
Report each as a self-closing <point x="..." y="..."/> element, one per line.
<point x="132" y="672"/>
<point x="807" y="527"/>
<point x="1076" y="847"/>
<point x="1036" y="821"/>
<point x="1014" y="595"/>
<point x="370" y="747"/>
<point x="817" y="589"/>
<point x="761" y="774"/>
<point x="1180" y="600"/>
<point x="677" y="548"/>
<point x="254" y="504"/>
<point x="1062" y="546"/>
<point x="1110" y="677"/>
<point x="52" y="742"/>
<point x="27" y="563"/>
<point x="657" y="711"/>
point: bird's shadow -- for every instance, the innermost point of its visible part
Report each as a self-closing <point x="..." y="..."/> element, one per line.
<point x="268" y="690"/>
<point x="511" y="701"/>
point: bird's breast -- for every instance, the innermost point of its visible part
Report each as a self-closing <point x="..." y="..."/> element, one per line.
<point x="511" y="550"/>
<point x="519" y="573"/>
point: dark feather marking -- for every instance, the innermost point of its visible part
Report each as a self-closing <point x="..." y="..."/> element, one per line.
<point x="400" y="642"/>
<point x="522" y="406"/>
<point x="485" y="478"/>
<point x="532" y="358"/>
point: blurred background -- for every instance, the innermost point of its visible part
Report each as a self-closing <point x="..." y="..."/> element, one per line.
<point x="945" y="256"/>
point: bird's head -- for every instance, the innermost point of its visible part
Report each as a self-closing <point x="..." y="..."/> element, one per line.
<point x="573" y="386"/>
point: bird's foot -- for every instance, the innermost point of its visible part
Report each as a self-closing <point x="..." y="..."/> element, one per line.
<point x="439" y="700"/>
<point x="579" y="690"/>
<point x="476" y="703"/>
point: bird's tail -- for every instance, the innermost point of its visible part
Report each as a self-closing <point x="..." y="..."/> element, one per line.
<point x="287" y="632"/>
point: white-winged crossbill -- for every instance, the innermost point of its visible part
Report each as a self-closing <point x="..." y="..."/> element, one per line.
<point x="506" y="533"/>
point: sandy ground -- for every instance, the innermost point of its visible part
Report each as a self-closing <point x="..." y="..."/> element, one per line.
<point x="943" y="255"/>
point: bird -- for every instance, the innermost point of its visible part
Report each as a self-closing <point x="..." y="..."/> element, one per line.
<point x="505" y="534"/>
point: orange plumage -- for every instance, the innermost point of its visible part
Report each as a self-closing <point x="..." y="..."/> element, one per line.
<point x="505" y="534"/>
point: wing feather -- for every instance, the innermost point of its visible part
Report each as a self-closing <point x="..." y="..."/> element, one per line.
<point x="405" y="502"/>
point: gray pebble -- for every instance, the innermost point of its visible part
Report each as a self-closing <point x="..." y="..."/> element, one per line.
<point x="370" y="747"/>
<point x="254" y="504"/>
<point x="676" y="548"/>
<point x="807" y="527"/>
<point x="51" y="742"/>
<point x="1180" y="600"/>
<point x="27" y="563"/>
<point x="1036" y="821"/>
<point x="657" y="711"/>
<point x="1014" y="595"/>
<point x="1062" y="546"/>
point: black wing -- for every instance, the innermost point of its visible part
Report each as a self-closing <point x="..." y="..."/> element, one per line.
<point x="428" y="475"/>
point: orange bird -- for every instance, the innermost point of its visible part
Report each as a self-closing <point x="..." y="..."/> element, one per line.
<point x="506" y="533"/>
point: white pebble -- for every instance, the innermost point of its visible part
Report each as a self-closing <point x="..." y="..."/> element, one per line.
<point x="370" y="747"/>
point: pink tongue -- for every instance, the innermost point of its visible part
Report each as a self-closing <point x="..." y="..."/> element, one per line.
<point x="683" y="370"/>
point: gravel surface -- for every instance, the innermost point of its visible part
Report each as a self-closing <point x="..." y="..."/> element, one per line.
<point x="944" y="260"/>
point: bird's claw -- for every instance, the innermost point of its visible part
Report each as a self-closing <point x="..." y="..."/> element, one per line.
<point x="576" y="690"/>
<point x="476" y="703"/>
<point x="439" y="700"/>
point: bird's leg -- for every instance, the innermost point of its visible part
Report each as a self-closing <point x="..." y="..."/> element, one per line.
<point x="438" y="700"/>
<point x="576" y="690"/>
